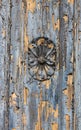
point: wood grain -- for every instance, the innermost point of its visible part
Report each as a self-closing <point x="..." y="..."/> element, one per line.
<point x="28" y="104"/>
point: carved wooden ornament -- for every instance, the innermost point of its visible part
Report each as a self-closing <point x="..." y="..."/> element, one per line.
<point x="41" y="58"/>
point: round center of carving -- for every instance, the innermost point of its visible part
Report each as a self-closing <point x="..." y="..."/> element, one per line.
<point x="41" y="60"/>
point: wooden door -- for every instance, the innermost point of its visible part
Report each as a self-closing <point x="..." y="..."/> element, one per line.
<point x="40" y="65"/>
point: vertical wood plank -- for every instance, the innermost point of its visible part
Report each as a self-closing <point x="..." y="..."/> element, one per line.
<point x="77" y="25"/>
<point x="42" y="104"/>
<point x="16" y="67"/>
<point x="66" y="64"/>
<point x="4" y="63"/>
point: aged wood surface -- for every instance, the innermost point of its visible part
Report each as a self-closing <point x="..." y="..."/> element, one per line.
<point x="28" y="104"/>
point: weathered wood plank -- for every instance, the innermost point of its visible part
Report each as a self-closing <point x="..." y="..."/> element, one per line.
<point x="16" y="67"/>
<point x="77" y="65"/>
<point x="27" y="104"/>
<point x="66" y="65"/>
<point x="4" y="63"/>
<point x="41" y="106"/>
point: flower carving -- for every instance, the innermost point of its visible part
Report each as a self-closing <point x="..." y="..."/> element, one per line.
<point x="41" y="58"/>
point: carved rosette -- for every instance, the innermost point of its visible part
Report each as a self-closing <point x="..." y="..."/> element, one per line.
<point x="41" y="58"/>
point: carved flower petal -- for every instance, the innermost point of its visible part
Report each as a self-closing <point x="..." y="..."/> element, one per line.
<point x="50" y="61"/>
<point x="50" y="70"/>
<point x="33" y="52"/>
<point x="33" y="63"/>
<point x="31" y="60"/>
<point x="41" y="74"/>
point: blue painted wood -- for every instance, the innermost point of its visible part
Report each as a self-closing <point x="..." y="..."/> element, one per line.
<point x="27" y="104"/>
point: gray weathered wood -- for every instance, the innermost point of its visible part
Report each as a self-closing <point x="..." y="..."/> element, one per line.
<point x="27" y="104"/>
